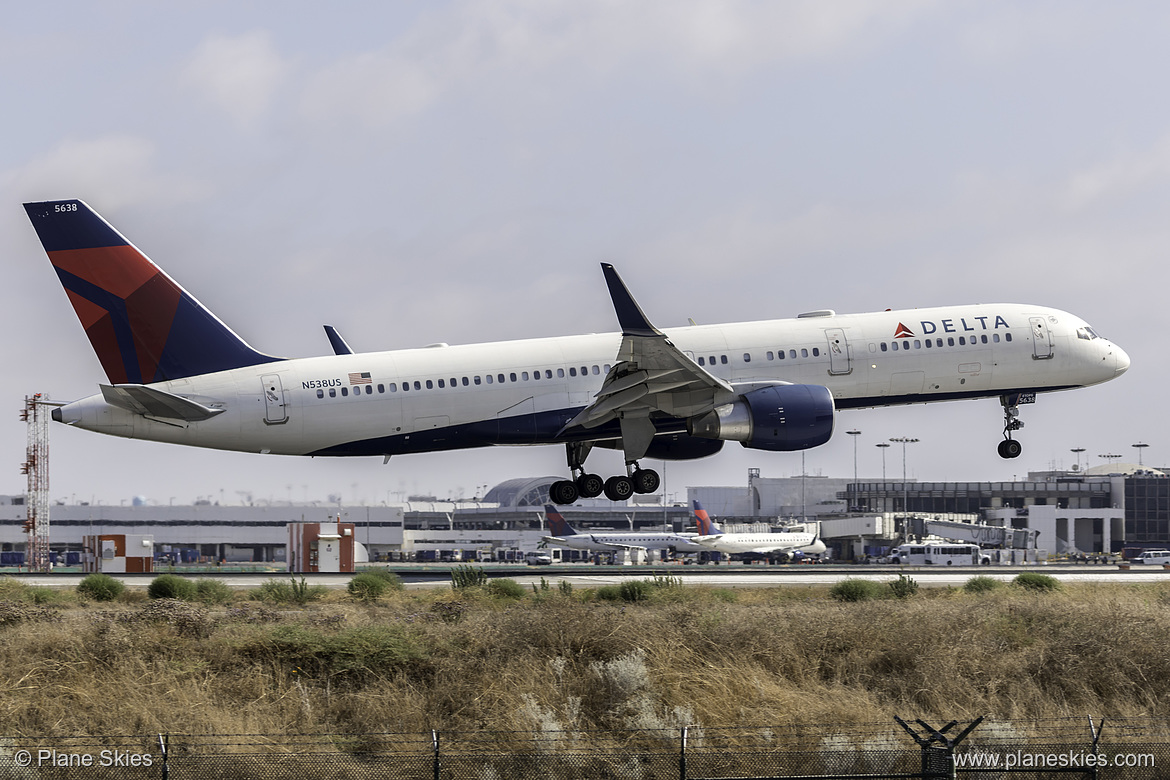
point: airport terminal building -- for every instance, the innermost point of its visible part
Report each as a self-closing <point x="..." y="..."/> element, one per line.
<point x="1093" y="511"/>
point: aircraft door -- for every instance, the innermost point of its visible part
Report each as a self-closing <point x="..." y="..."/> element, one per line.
<point x="275" y="407"/>
<point x="1041" y="339"/>
<point x="839" y="362"/>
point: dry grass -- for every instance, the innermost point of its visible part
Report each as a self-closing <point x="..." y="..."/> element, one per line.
<point x="466" y="661"/>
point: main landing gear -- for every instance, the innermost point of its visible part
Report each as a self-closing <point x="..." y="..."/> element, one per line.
<point x="585" y="485"/>
<point x="1009" y="447"/>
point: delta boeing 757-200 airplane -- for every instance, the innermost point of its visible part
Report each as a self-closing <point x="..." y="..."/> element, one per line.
<point x="178" y="374"/>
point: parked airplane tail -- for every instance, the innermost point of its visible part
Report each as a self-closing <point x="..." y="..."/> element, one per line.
<point x="143" y="326"/>
<point x="557" y="524"/>
<point x="706" y="525"/>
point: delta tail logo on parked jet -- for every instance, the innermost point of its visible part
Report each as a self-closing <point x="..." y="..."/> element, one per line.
<point x="178" y="374"/>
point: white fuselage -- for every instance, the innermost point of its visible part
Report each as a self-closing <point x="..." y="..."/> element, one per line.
<point x="524" y="392"/>
<point x="608" y="541"/>
<point x="764" y="544"/>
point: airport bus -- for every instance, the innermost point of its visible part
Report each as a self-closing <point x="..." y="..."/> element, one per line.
<point x="939" y="554"/>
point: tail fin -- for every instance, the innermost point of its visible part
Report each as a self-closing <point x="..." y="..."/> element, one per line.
<point x="706" y="525"/>
<point x="143" y="326"/>
<point x="557" y="522"/>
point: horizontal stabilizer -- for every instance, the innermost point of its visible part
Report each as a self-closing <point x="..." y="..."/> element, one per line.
<point x="152" y="402"/>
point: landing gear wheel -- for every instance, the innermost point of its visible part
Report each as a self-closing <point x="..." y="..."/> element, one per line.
<point x="646" y="480"/>
<point x="562" y="492"/>
<point x="590" y="485"/>
<point x="1010" y="448"/>
<point x="619" y="488"/>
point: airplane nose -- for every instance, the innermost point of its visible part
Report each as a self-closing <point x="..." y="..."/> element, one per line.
<point x="1120" y="361"/>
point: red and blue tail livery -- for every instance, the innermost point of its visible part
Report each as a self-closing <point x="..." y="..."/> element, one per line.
<point x="143" y="326"/>
<point x="704" y="522"/>
<point x="557" y="523"/>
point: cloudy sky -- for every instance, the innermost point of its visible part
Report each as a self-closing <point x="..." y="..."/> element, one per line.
<point x="454" y="171"/>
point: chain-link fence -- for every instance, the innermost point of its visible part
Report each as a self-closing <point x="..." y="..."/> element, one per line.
<point x="980" y="749"/>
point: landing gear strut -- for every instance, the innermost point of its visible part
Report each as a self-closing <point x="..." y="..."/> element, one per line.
<point x="585" y="485"/>
<point x="1009" y="447"/>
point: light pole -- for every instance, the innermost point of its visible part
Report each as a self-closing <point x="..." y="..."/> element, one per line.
<point x="904" y="440"/>
<point x="1078" y="451"/>
<point x="1109" y="457"/>
<point x="1139" y="447"/>
<point x="853" y="435"/>
<point x="885" y="446"/>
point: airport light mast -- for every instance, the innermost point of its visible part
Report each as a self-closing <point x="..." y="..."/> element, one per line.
<point x="884" y="446"/>
<point x="904" y="440"/>
<point x="36" y="465"/>
<point x="1139" y="447"/>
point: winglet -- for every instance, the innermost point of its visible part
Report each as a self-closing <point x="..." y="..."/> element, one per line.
<point x="557" y="522"/>
<point x="337" y="342"/>
<point x="629" y="314"/>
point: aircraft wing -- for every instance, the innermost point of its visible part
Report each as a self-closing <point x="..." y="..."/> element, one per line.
<point x="617" y="545"/>
<point x="156" y="404"/>
<point x="652" y="376"/>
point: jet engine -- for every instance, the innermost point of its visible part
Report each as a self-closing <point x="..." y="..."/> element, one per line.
<point x="779" y="418"/>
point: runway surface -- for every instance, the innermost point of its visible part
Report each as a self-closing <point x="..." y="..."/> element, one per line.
<point x="732" y="576"/>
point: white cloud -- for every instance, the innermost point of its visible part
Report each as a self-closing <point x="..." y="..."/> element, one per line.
<point x="472" y="43"/>
<point x="1124" y="175"/>
<point x="238" y="74"/>
<point x="121" y="169"/>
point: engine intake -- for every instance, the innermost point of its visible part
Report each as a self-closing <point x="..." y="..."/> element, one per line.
<point x="779" y="418"/>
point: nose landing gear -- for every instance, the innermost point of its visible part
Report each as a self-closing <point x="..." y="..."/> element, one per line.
<point x="1009" y="447"/>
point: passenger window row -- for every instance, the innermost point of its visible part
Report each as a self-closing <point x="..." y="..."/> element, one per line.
<point x="467" y="381"/>
<point x="930" y="344"/>
<point x="779" y="354"/>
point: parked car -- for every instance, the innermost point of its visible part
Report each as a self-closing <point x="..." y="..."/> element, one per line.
<point x="541" y="559"/>
<point x="1153" y="557"/>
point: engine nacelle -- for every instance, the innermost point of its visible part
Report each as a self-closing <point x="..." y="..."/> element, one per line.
<point x="680" y="446"/>
<point x="779" y="418"/>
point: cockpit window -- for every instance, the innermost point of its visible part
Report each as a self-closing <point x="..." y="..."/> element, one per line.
<point x="1087" y="333"/>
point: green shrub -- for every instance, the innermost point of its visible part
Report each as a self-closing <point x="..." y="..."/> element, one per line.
<point x="904" y="587"/>
<point x="853" y="589"/>
<point x="349" y="656"/>
<point x="290" y="591"/>
<point x="468" y="577"/>
<point x="367" y="587"/>
<point x="212" y="591"/>
<point x="505" y="588"/>
<point x="392" y="580"/>
<point x="634" y="590"/>
<point x="100" y="587"/>
<point x="1032" y="580"/>
<point x="39" y="594"/>
<point x="609" y="593"/>
<point x="171" y="586"/>
<point x="981" y="584"/>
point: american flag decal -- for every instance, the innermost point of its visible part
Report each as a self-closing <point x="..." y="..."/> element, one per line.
<point x="360" y="379"/>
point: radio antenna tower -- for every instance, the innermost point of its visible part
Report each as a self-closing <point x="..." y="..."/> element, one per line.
<point x="36" y="465"/>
